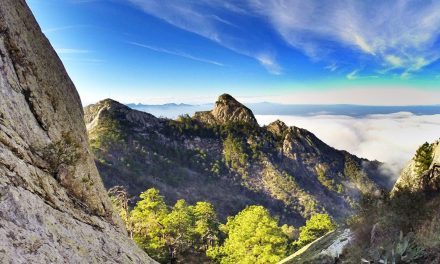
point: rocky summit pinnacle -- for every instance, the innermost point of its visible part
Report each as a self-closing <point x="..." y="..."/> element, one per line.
<point x="277" y="127"/>
<point x="227" y="110"/>
<point x="53" y="205"/>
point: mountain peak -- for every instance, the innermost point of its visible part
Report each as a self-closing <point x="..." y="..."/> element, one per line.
<point x="109" y="103"/>
<point x="109" y="108"/>
<point x="226" y="110"/>
<point x="277" y="127"/>
<point x="227" y="98"/>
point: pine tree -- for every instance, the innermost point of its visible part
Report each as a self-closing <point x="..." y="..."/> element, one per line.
<point x="423" y="158"/>
<point x="179" y="229"/>
<point x="174" y="234"/>
<point x="148" y="217"/>
<point x="253" y="236"/>
<point x="317" y="226"/>
<point x="206" y="224"/>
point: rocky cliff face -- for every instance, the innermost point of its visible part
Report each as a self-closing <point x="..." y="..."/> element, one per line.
<point x="227" y="110"/>
<point x="224" y="157"/>
<point x="53" y="206"/>
<point x="427" y="178"/>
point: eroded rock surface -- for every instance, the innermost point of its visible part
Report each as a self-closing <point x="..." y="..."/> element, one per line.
<point x="227" y="110"/>
<point x="277" y="127"/>
<point x="428" y="180"/>
<point x="53" y="206"/>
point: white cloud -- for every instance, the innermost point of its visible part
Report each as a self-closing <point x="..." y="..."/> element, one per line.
<point x="177" y="53"/>
<point x="391" y="138"/>
<point x="352" y="75"/>
<point x="394" y="61"/>
<point x="363" y="45"/>
<point x="268" y="62"/>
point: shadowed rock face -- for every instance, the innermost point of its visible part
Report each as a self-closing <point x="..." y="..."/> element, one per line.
<point x="227" y="110"/>
<point x="53" y="206"/>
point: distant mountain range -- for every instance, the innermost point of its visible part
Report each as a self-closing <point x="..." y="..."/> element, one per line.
<point x="173" y="110"/>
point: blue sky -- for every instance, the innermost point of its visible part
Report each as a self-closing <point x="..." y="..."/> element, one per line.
<point x="156" y="51"/>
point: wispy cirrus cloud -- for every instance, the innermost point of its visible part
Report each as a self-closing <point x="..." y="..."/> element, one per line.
<point x="77" y="56"/>
<point x="71" y="51"/>
<point x="205" y="18"/>
<point x="353" y="75"/>
<point x="83" y="60"/>
<point x="177" y="53"/>
<point x="400" y="36"/>
<point x="56" y="29"/>
<point x="269" y="62"/>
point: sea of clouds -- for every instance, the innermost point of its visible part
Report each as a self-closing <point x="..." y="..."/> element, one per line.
<point x="390" y="138"/>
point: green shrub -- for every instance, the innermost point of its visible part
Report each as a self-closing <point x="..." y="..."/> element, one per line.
<point x="66" y="151"/>
<point x="317" y="226"/>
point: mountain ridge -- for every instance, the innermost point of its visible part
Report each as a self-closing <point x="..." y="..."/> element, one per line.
<point x="239" y="163"/>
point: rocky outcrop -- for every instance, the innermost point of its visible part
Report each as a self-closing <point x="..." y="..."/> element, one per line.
<point x="324" y="250"/>
<point x="277" y="128"/>
<point x="227" y="110"/>
<point x="415" y="180"/>
<point x="93" y="114"/>
<point x="53" y="206"/>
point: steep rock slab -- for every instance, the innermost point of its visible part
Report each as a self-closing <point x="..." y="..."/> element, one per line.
<point x="53" y="206"/>
<point x="324" y="250"/>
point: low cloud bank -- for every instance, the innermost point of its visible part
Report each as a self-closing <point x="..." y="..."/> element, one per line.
<point x="390" y="138"/>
